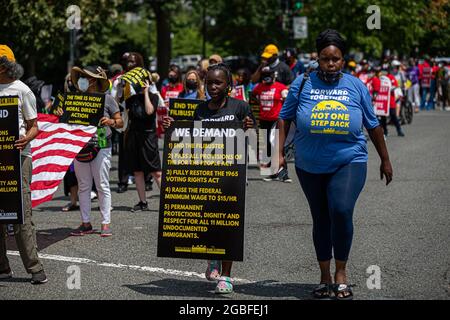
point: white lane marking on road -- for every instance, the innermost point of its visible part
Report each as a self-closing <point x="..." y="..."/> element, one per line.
<point x="173" y="272"/>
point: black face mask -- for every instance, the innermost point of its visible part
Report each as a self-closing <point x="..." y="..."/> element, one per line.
<point x="267" y="79"/>
<point x="173" y="79"/>
<point x="272" y="60"/>
<point x="329" y="77"/>
<point x="191" y="84"/>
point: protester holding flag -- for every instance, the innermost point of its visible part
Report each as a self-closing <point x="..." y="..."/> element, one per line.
<point x="25" y="234"/>
<point x="223" y="108"/>
<point x="330" y="109"/>
<point x="97" y="162"/>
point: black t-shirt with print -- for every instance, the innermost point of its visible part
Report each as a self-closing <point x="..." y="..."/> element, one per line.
<point x="233" y="110"/>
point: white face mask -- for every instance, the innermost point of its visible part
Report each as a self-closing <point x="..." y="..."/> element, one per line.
<point x="83" y="84"/>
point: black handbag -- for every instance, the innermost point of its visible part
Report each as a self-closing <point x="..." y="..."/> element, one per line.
<point x="88" y="153"/>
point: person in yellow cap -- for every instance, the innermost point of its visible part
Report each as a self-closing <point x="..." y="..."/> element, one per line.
<point x="25" y="234"/>
<point x="270" y="58"/>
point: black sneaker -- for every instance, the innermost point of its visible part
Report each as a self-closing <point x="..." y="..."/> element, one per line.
<point x="283" y="176"/>
<point x="141" y="206"/>
<point x="122" y="188"/>
<point x="6" y="274"/>
<point x="38" y="277"/>
<point x="82" y="230"/>
<point x="400" y="134"/>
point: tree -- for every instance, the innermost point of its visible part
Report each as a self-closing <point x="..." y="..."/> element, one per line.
<point x="163" y="13"/>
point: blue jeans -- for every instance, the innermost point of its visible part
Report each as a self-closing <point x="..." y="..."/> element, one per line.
<point x="428" y="105"/>
<point x="332" y="198"/>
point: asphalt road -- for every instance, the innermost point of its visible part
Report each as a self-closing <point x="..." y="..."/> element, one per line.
<point x="403" y="229"/>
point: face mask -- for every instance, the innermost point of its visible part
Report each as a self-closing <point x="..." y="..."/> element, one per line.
<point x="83" y="84"/>
<point x="191" y="84"/>
<point x="329" y="77"/>
<point x="267" y="80"/>
<point x="271" y="60"/>
<point x="172" y="79"/>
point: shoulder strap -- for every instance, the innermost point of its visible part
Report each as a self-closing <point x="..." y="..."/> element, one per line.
<point x="305" y="78"/>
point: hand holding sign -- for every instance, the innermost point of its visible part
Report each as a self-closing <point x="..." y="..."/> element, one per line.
<point x="248" y="123"/>
<point x="167" y="122"/>
<point x="21" y="143"/>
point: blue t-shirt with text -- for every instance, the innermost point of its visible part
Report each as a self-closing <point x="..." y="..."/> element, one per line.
<point x="329" y="122"/>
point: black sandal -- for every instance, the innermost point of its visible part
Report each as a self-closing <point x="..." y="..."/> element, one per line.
<point x="70" y="207"/>
<point x="344" y="290"/>
<point x="322" y="291"/>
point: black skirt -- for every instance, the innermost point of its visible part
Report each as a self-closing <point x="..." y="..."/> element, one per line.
<point x="70" y="180"/>
<point x="141" y="151"/>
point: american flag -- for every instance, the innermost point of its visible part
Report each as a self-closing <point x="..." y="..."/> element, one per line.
<point x="53" y="150"/>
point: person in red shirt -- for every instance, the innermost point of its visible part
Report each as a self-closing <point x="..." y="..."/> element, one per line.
<point x="175" y="85"/>
<point x="392" y="109"/>
<point x="270" y="95"/>
<point x="170" y="90"/>
<point x="425" y="78"/>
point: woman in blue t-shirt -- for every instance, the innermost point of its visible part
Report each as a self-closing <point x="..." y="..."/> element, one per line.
<point x="330" y="109"/>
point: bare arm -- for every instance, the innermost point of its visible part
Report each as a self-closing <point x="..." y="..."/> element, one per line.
<point x="283" y="127"/>
<point x="32" y="132"/>
<point x="115" y="122"/>
<point x="257" y="75"/>
<point x="149" y="108"/>
<point x="376" y="135"/>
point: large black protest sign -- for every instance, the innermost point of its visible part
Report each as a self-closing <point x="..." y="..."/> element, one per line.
<point x="10" y="164"/>
<point x="202" y="203"/>
<point x="82" y="108"/>
<point x="183" y="109"/>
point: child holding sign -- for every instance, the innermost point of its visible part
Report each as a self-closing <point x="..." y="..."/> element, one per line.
<point x="222" y="108"/>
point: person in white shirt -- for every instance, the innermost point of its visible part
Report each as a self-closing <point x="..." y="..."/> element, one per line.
<point x="25" y="234"/>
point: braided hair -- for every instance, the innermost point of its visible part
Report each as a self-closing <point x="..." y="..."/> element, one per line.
<point x="224" y="68"/>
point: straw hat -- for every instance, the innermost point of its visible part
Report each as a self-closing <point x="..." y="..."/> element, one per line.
<point x="95" y="72"/>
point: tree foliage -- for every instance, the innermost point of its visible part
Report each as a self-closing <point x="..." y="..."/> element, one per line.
<point x="37" y="31"/>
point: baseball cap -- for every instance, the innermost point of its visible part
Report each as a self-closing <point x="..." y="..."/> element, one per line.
<point x="5" y="51"/>
<point x="216" y="58"/>
<point x="269" y="51"/>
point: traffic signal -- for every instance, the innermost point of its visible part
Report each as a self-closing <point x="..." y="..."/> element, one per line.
<point x="298" y="5"/>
